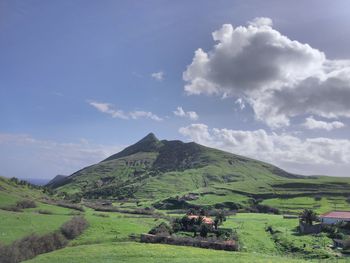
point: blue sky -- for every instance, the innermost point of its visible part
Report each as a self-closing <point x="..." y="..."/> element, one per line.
<point x="76" y="82"/>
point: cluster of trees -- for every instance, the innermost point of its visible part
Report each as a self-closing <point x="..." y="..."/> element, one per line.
<point x="17" y="181"/>
<point x="197" y="224"/>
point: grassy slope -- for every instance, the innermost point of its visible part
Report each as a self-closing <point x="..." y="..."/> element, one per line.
<point x="15" y="225"/>
<point x="10" y="192"/>
<point x="140" y="253"/>
<point x="113" y="227"/>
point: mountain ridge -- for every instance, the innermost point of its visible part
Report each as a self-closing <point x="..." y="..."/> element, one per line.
<point x="157" y="169"/>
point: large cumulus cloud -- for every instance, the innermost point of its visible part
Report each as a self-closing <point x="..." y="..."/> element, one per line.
<point x="279" y="77"/>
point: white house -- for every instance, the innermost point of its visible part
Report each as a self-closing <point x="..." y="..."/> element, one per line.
<point x="335" y="217"/>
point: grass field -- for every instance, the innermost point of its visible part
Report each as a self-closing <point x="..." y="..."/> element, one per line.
<point x="254" y="238"/>
<point x="139" y="253"/>
<point x="15" y="225"/>
<point x="297" y="204"/>
<point x="111" y="227"/>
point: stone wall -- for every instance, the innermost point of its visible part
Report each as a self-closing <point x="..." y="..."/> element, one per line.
<point x="230" y="245"/>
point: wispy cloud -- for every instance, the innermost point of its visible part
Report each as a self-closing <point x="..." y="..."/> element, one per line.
<point x="46" y="158"/>
<point x="312" y="124"/>
<point x="240" y="103"/>
<point x="159" y="76"/>
<point x="108" y="108"/>
<point x="192" y="115"/>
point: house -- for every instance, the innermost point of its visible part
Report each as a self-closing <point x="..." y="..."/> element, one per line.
<point x="335" y="217"/>
<point x="205" y="220"/>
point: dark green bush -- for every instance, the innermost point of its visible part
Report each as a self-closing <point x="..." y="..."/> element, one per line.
<point x="162" y="229"/>
<point x="25" y="204"/>
<point x="74" y="227"/>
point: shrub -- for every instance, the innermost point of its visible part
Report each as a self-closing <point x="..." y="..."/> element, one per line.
<point x="45" y="212"/>
<point x="74" y="227"/>
<point x="347" y="244"/>
<point x="33" y="245"/>
<point x="162" y="229"/>
<point x="317" y="197"/>
<point x="25" y="204"/>
<point x="267" y="209"/>
<point x="101" y="215"/>
<point x="204" y="230"/>
<point x="71" y="206"/>
<point x="348" y="199"/>
<point x="30" y="246"/>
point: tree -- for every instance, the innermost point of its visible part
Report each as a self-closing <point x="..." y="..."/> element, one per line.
<point x="204" y="230"/>
<point x="220" y="217"/>
<point x="216" y="223"/>
<point x="308" y="216"/>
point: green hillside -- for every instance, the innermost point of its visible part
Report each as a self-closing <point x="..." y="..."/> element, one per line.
<point x="156" y="170"/>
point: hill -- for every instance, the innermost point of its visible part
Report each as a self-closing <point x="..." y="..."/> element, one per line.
<point x="153" y="169"/>
<point x="13" y="190"/>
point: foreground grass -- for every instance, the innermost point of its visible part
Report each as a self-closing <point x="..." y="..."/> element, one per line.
<point x="138" y="252"/>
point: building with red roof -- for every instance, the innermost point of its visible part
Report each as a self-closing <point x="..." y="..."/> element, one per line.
<point x="205" y="219"/>
<point x="334" y="217"/>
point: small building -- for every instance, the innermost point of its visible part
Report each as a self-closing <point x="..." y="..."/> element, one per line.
<point x="205" y="219"/>
<point x="335" y="217"/>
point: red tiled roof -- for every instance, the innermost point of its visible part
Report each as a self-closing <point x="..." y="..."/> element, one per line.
<point x="337" y="214"/>
<point x="206" y="220"/>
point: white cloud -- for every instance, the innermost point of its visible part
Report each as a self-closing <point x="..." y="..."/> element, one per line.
<point x="240" y="103"/>
<point x="310" y="155"/>
<point x="279" y="77"/>
<point x="109" y="109"/>
<point x="144" y="114"/>
<point x="311" y="124"/>
<point x="25" y="156"/>
<point x="159" y="76"/>
<point x="192" y="115"/>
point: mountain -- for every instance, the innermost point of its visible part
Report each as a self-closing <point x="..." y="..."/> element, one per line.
<point x="57" y="180"/>
<point x="153" y="169"/>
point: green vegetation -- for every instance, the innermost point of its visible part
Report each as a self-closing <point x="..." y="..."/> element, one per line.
<point x="164" y="175"/>
<point x="154" y="253"/>
<point x="297" y="204"/>
<point x="113" y="227"/>
<point x="253" y="234"/>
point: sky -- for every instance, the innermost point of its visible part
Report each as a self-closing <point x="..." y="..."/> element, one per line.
<point x="82" y="79"/>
